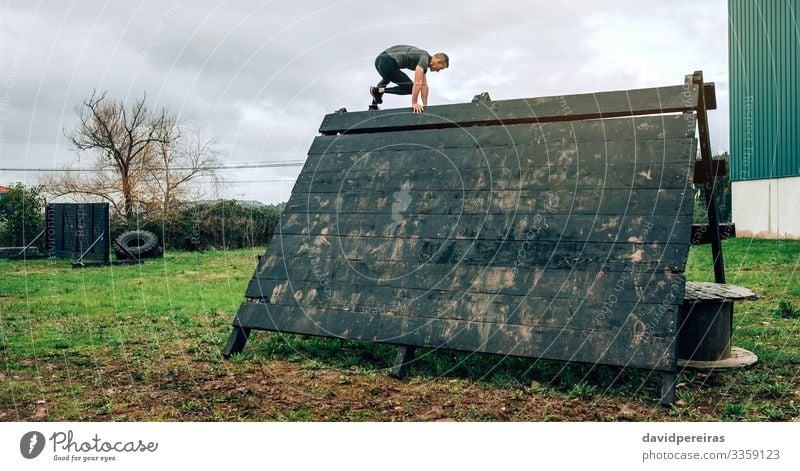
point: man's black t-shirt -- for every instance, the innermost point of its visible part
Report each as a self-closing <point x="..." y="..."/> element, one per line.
<point x="409" y="57"/>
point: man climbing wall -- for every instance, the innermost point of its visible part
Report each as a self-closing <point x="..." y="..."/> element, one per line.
<point x="388" y="64"/>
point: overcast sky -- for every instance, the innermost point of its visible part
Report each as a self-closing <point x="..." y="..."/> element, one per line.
<point x="261" y="75"/>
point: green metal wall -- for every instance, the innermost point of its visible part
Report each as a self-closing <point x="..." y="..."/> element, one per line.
<point x="764" y="45"/>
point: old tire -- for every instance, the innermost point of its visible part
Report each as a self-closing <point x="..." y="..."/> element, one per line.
<point x="138" y="243"/>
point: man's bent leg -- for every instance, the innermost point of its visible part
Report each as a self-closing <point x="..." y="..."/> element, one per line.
<point x="383" y="63"/>
<point x="390" y="72"/>
<point x="402" y="88"/>
<point x="404" y="84"/>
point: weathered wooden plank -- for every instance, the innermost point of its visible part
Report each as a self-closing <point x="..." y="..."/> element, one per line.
<point x="519" y="156"/>
<point x="557" y="254"/>
<point x="628" y="347"/>
<point x="659" y="100"/>
<point x="645" y="286"/>
<point x="698" y="291"/>
<point x="602" y="312"/>
<point x="621" y="129"/>
<point x="639" y="202"/>
<point x="554" y="177"/>
<point x="701" y="172"/>
<point x="540" y="227"/>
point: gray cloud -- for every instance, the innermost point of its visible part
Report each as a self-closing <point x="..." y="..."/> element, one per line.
<point x="263" y="74"/>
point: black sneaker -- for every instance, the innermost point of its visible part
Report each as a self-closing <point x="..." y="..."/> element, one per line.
<point x="373" y="107"/>
<point x="376" y="95"/>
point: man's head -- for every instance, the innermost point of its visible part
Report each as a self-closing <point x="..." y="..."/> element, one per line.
<point x="439" y="61"/>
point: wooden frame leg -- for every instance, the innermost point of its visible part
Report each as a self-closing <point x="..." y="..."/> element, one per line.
<point x="668" y="389"/>
<point x="236" y="341"/>
<point x="402" y="362"/>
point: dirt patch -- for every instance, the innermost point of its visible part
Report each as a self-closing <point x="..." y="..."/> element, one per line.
<point x="280" y="390"/>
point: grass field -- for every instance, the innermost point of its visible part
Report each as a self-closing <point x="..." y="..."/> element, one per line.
<point x="143" y="342"/>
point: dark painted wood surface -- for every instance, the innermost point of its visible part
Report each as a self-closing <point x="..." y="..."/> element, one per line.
<point x="512" y="155"/>
<point x="633" y="201"/>
<point x="593" y="309"/>
<point x="71" y="228"/>
<point x="563" y="177"/>
<point x="629" y="346"/>
<point x="701" y="233"/>
<point x="704" y="332"/>
<point x="562" y="240"/>
<point x="614" y="255"/>
<point x="549" y="134"/>
<point x="571" y="283"/>
<point x="718" y="169"/>
<point x="554" y="108"/>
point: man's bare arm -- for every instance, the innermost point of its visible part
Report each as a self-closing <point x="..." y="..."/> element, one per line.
<point x="424" y="90"/>
<point x="419" y="80"/>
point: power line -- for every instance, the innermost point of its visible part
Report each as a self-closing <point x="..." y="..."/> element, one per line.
<point x="284" y="163"/>
<point x="260" y="181"/>
<point x="248" y="181"/>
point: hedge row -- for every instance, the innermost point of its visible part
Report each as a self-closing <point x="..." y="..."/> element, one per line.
<point x="200" y="226"/>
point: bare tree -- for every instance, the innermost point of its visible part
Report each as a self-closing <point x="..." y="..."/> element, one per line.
<point x="171" y="167"/>
<point x="86" y="187"/>
<point x="122" y="137"/>
<point x="144" y="162"/>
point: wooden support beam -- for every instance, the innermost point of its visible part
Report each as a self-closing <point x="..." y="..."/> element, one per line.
<point x="710" y="92"/>
<point x="705" y="152"/>
<point x="402" y="362"/>
<point x="701" y="233"/>
<point x="236" y="341"/>
<point x="668" y="389"/>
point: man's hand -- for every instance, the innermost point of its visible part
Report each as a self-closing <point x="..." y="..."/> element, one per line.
<point x="417" y="108"/>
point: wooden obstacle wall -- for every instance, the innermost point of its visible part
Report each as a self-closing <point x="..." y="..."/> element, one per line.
<point x="553" y="227"/>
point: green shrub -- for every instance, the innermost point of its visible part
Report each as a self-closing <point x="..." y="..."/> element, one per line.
<point x="200" y="226"/>
<point x="21" y="215"/>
